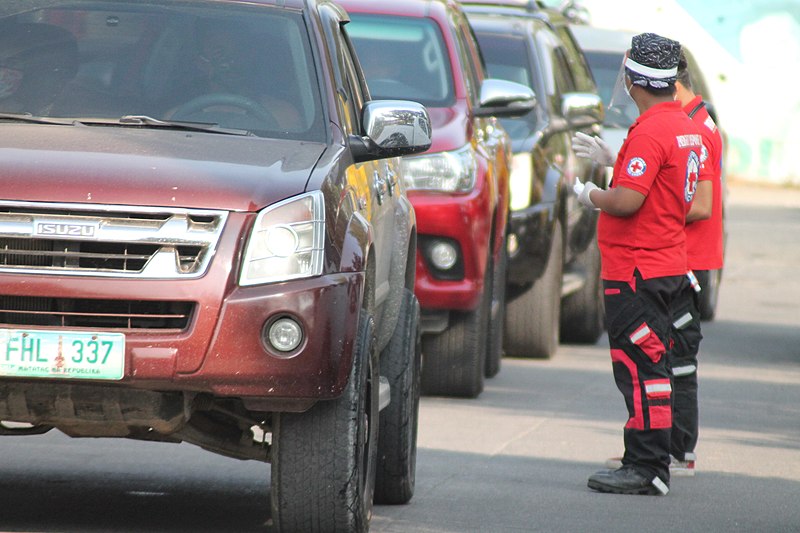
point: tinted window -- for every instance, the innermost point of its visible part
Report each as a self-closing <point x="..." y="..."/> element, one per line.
<point x="403" y="58"/>
<point x="507" y="58"/>
<point x="580" y="71"/>
<point x="473" y="62"/>
<point x="111" y="59"/>
<point x="563" y="75"/>
<point x="605" y="68"/>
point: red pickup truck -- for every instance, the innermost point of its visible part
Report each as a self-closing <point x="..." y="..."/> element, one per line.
<point x="424" y="50"/>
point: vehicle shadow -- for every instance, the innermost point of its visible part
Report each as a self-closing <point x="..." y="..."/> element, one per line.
<point x="57" y="484"/>
<point x="466" y="493"/>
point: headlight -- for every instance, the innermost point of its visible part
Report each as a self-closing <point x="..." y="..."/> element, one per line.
<point x="520" y="182"/>
<point x="286" y="241"/>
<point x="446" y="171"/>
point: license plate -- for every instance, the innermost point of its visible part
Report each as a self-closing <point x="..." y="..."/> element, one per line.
<point x="61" y="354"/>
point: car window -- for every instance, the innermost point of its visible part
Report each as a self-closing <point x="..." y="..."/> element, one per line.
<point x="581" y="73"/>
<point x="351" y="82"/>
<point x="552" y="66"/>
<point x="403" y="58"/>
<point x="605" y="67"/>
<point x="507" y="58"/>
<point x="473" y="62"/>
<point x="565" y="83"/>
<point x="108" y="59"/>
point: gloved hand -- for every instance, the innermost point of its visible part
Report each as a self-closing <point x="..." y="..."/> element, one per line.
<point x="593" y="148"/>
<point x="583" y="190"/>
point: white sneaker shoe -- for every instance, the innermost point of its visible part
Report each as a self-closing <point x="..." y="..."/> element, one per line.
<point x="682" y="468"/>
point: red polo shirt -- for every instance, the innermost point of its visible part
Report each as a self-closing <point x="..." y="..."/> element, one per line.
<point x="660" y="158"/>
<point x="704" y="241"/>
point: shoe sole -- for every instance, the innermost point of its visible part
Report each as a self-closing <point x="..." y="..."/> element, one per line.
<point x="644" y="491"/>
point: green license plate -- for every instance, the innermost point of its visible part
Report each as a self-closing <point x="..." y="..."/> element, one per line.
<point x="61" y="354"/>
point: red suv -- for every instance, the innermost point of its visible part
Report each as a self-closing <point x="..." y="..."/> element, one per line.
<point x="205" y="241"/>
<point x="424" y="50"/>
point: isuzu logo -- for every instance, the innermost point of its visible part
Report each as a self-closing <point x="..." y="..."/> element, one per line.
<point x="64" y="229"/>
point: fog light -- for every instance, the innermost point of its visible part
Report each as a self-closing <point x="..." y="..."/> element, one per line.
<point x="512" y="245"/>
<point x="285" y="335"/>
<point x="443" y="255"/>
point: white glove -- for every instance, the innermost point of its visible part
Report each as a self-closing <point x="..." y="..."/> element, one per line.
<point x="583" y="190"/>
<point x="593" y="148"/>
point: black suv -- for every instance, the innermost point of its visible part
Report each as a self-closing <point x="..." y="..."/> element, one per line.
<point x="554" y="265"/>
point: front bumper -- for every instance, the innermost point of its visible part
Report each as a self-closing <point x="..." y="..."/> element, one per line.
<point x="467" y="220"/>
<point x="530" y="232"/>
<point x="221" y="352"/>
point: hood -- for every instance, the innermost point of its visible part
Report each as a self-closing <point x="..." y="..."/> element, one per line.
<point x="451" y="128"/>
<point x="151" y="167"/>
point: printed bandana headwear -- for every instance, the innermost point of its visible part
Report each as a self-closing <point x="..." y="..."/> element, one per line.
<point x="653" y="60"/>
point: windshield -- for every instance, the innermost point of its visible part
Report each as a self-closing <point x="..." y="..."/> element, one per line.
<point x="507" y="58"/>
<point x="605" y="68"/>
<point x="403" y="58"/>
<point x="248" y="69"/>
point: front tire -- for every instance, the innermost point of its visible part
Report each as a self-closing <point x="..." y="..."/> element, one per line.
<point x="323" y="460"/>
<point x="583" y="312"/>
<point x="397" y="437"/>
<point x="497" y="312"/>
<point x="709" y="294"/>
<point x="454" y="360"/>
<point x="532" y="319"/>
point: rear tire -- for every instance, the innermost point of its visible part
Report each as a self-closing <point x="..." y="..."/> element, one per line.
<point x="397" y="437"/>
<point x="454" y="360"/>
<point x="323" y="460"/>
<point x="532" y="319"/>
<point x="709" y="294"/>
<point x="583" y="312"/>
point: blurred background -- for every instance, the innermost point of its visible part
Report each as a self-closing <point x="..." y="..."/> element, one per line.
<point x="749" y="51"/>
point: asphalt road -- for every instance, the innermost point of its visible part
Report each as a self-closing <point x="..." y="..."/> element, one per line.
<point x="517" y="458"/>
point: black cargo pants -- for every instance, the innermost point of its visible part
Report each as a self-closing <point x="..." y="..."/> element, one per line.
<point x="686" y="337"/>
<point x="638" y="323"/>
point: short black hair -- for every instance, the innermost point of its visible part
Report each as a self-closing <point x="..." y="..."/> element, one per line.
<point x="669" y="90"/>
<point x="683" y="72"/>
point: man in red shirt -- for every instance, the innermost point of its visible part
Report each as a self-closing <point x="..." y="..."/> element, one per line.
<point x="704" y="247"/>
<point x="643" y="248"/>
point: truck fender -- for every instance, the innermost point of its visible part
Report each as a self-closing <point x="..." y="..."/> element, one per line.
<point x="404" y="245"/>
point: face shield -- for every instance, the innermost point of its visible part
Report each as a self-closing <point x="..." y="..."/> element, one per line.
<point x="622" y="110"/>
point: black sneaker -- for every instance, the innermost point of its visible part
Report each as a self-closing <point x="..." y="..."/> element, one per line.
<point x="626" y="480"/>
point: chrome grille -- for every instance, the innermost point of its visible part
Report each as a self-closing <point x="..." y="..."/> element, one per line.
<point x="111" y="241"/>
<point x="88" y="313"/>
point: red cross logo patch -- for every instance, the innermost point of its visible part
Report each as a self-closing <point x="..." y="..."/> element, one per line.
<point x="636" y="167"/>
<point x="692" y="175"/>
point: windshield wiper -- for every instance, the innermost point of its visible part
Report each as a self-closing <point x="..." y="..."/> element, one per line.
<point x="29" y="118"/>
<point x="144" y="120"/>
<point x="127" y="120"/>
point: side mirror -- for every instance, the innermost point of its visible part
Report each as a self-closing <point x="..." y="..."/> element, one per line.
<point x="392" y="128"/>
<point x="505" y="99"/>
<point x="582" y="108"/>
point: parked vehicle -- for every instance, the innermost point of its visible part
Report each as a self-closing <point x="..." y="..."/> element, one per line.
<point x="180" y="262"/>
<point x="605" y="50"/>
<point x="425" y="50"/>
<point x="554" y="289"/>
